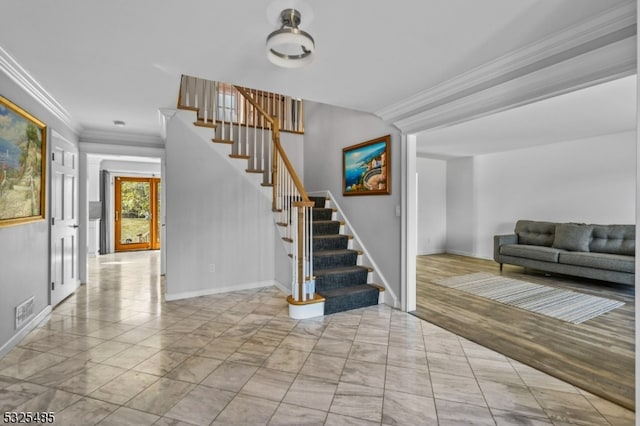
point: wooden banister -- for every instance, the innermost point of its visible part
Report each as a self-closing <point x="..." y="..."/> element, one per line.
<point x="302" y="238"/>
<point x="265" y="113"/>
<point x="247" y="95"/>
<point x="276" y="139"/>
<point x="296" y="180"/>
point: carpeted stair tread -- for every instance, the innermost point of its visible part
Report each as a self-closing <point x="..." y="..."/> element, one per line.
<point x="326" y="227"/>
<point x="342" y="270"/>
<point x="347" y="298"/>
<point x="319" y="201"/>
<point x="334" y="259"/>
<point x="340" y="277"/>
<point x="330" y="242"/>
<point x="335" y="252"/>
<point x="322" y="213"/>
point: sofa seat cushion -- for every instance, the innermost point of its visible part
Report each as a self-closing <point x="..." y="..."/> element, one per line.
<point x="545" y="254"/>
<point x="610" y="262"/>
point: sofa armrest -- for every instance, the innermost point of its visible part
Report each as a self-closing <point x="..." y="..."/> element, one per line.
<point x="500" y="240"/>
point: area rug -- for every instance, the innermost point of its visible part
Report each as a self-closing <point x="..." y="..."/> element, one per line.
<point x="556" y="303"/>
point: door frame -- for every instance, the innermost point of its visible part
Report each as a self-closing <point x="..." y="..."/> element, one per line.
<point x="92" y="156"/>
<point x="154" y="229"/>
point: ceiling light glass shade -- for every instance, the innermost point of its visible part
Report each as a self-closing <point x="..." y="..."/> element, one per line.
<point x="290" y="47"/>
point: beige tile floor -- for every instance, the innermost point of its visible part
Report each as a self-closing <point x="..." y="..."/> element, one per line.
<point x="116" y="354"/>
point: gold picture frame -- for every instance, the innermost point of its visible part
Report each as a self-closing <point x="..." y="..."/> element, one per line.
<point x="23" y="147"/>
<point x="366" y="167"/>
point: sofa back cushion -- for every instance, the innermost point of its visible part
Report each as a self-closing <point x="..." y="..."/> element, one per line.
<point x="614" y="239"/>
<point x="535" y="233"/>
<point x="573" y="236"/>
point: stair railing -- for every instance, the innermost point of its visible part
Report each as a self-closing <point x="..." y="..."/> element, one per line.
<point x="293" y="206"/>
<point x="247" y="119"/>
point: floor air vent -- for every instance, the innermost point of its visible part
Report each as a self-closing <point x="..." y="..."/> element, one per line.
<point x="24" y="312"/>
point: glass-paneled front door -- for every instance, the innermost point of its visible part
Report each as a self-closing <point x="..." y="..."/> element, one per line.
<point x="137" y="218"/>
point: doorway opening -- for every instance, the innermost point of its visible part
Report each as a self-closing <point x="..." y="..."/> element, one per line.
<point x="137" y="218"/>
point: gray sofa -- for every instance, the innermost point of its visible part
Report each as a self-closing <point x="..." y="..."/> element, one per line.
<point x="601" y="252"/>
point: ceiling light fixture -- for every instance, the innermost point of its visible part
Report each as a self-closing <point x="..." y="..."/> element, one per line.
<point x="290" y="47"/>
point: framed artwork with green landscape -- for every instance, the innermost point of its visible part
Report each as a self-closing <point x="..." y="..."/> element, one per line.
<point x="366" y="168"/>
<point x="22" y="165"/>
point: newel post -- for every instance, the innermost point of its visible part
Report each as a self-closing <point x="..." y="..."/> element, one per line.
<point x="304" y="253"/>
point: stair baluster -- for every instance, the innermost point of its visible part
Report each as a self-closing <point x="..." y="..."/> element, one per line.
<point x="234" y="106"/>
<point x="224" y="110"/>
<point x="289" y="193"/>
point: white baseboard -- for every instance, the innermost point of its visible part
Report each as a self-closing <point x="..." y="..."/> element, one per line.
<point x="429" y="252"/>
<point x="206" y="292"/>
<point x="11" y="343"/>
<point x="468" y="254"/>
<point x="460" y="253"/>
<point x="283" y="288"/>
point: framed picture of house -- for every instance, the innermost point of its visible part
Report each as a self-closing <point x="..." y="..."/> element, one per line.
<point x="366" y="168"/>
<point x="22" y="165"/>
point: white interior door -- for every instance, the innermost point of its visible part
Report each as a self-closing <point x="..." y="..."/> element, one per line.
<point x="64" y="219"/>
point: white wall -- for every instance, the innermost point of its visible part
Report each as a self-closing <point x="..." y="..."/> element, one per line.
<point x="432" y="205"/>
<point x="24" y="249"/>
<point x="93" y="194"/>
<point x="219" y="226"/>
<point x="588" y="180"/>
<point x="461" y="211"/>
<point x="93" y="178"/>
<point x="329" y="129"/>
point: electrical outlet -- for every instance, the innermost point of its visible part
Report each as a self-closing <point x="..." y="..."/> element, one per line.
<point x="212" y="267"/>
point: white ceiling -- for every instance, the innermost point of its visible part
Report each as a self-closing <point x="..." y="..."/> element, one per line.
<point x="598" y="110"/>
<point x="122" y="59"/>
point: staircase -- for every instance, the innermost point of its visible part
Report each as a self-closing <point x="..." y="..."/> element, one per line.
<point x="339" y="279"/>
<point x="326" y="276"/>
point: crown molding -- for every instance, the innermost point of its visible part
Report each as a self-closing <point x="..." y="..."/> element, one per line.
<point x="97" y="136"/>
<point x="27" y="83"/>
<point x="608" y="63"/>
<point x="108" y="149"/>
<point x="606" y="29"/>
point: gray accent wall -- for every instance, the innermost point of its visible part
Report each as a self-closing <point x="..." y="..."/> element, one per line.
<point x="24" y="249"/>
<point x="329" y="129"/>
<point x="219" y="226"/>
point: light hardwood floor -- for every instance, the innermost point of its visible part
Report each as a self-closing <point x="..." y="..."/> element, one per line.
<point x="597" y="355"/>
